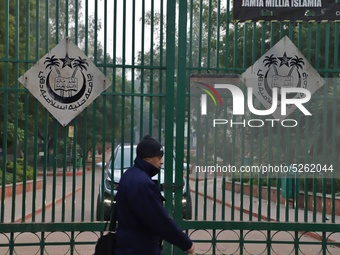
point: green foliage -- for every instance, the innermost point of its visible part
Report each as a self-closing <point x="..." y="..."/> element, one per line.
<point x="12" y="46"/>
<point x="317" y="184"/>
<point x="72" y="151"/>
<point x="29" y="32"/>
<point x="320" y="185"/>
<point x="18" y="171"/>
<point x="255" y="180"/>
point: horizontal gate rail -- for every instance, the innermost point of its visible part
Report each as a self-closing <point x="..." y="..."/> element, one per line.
<point x="261" y="225"/>
<point x="51" y="227"/>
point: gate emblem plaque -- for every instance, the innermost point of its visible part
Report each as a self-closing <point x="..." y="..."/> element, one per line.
<point x="65" y="81"/>
<point x="283" y="66"/>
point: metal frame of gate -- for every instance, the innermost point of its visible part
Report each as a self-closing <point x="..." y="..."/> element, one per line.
<point x="149" y="93"/>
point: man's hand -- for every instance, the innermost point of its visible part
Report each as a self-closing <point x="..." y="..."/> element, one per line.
<point x="191" y="250"/>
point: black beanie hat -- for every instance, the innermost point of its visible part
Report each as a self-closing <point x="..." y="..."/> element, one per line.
<point x="149" y="148"/>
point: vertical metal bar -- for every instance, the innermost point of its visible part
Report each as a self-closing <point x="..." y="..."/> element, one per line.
<point x="94" y="127"/>
<point x="235" y="54"/>
<point x="306" y="143"/>
<point x="308" y="125"/>
<point x="297" y="176"/>
<point x="169" y="109"/>
<point x="12" y="243"/>
<point x="298" y="191"/>
<point x="214" y="189"/>
<point x="161" y="72"/>
<point x="260" y="150"/>
<point x="93" y="174"/>
<point x="44" y="187"/>
<point x="113" y="97"/>
<point x="84" y="155"/>
<point x="305" y="177"/>
<point x="5" y="102"/>
<point x="227" y="36"/>
<point x="104" y="95"/>
<point x="151" y="62"/>
<point x="133" y="49"/>
<point x="141" y="119"/>
<point x="200" y="36"/>
<point x="190" y="34"/>
<point x="251" y="198"/>
<point x="54" y="182"/>
<point x="244" y="61"/>
<point x="74" y="161"/>
<point x="205" y="185"/>
<point x="218" y="25"/>
<point x="269" y="160"/>
<point x="197" y="164"/>
<point x="65" y="150"/>
<point x="15" y="120"/>
<point x="35" y="160"/>
<point x="123" y="72"/>
<point x="270" y="151"/>
<point x="209" y="35"/>
<point x="87" y="27"/>
<point x="84" y="146"/>
<point x="325" y="121"/>
<point x="72" y="240"/>
<point x="335" y="159"/>
<point x="95" y="56"/>
<point x="57" y="21"/>
<point x="180" y="115"/>
<point x="188" y="168"/>
<point x="315" y="149"/>
<point x="55" y="150"/>
<point x="281" y="176"/>
<point x="46" y="134"/>
<point x="67" y="19"/>
<point x="76" y="25"/>
<point x="36" y="110"/>
<point x="315" y="154"/>
<point x="26" y="107"/>
<point x="46" y="27"/>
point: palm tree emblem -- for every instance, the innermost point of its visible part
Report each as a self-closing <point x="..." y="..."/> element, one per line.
<point x="271" y="61"/>
<point x="79" y="63"/>
<point x="297" y="63"/>
<point x="53" y="62"/>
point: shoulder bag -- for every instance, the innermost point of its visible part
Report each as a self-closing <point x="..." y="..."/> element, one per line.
<point x="106" y="243"/>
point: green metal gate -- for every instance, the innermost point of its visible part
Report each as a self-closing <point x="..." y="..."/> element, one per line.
<point x="150" y="51"/>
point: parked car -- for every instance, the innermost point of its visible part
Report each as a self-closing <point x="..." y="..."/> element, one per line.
<point x="119" y="164"/>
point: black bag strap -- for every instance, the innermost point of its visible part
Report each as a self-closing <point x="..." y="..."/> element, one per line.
<point x="113" y="216"/>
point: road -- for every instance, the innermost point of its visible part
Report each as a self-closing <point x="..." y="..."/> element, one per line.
<point x="64" y="195"/>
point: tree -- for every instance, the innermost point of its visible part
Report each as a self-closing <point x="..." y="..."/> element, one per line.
<point x="55" y="20"/>
<point x="9" y="70"/>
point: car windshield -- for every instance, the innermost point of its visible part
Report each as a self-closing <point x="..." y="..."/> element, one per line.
<point x="127" y="158"/>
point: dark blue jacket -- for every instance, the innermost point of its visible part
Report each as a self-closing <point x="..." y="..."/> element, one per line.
<point x="142" y="220"/>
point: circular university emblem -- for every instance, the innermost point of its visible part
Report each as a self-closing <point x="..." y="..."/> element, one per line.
<point x="281" y="72"/>
<point x="65" y="83"/>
